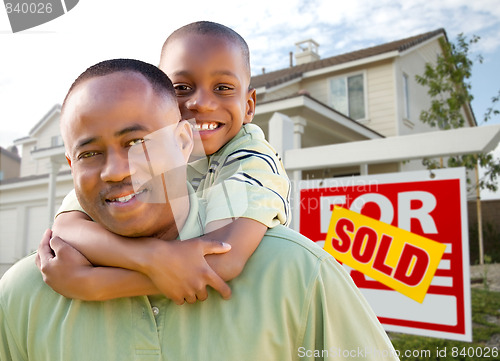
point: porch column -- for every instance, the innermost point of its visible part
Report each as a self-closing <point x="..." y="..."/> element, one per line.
<point x="53" y="170"/>
<point x="299" y="124"/>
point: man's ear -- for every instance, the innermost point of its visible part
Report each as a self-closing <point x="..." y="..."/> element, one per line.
<point x="184" y="138"/>
<point x="250" y="106"/>
<point x="68" y="159"/>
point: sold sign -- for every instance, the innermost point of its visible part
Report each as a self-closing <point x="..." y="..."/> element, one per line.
<point x="402" y="260"/>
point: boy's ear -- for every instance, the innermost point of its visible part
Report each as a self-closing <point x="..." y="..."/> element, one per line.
<point x="250" y="106"/>
<point x="184" y="137"/>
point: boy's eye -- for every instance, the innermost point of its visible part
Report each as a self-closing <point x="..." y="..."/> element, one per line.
<point x="182" y="88"/>
<point x="222" y="87"/>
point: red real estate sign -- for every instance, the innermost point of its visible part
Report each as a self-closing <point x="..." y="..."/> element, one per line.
<point x="432" y="206"/>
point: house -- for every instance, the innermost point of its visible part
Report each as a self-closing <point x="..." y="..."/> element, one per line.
<point x="10" y="163"/>
<point x="366" y="94"/>
<point x="27" y="202"/>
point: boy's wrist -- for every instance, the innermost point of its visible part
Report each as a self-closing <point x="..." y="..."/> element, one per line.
<point x="144" y="257"/>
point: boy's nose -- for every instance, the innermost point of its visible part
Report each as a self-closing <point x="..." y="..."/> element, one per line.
<point x="201" y="101"/>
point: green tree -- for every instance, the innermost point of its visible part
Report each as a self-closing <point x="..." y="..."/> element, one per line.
<point x="450" y="91"/>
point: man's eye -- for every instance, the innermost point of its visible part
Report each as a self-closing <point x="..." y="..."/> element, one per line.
<point x="136" y="141"/>
<point x="87" y="155"/>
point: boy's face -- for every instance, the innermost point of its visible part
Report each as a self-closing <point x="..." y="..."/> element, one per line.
<point x="211" y="82"/>
<point x="104" y="119"/>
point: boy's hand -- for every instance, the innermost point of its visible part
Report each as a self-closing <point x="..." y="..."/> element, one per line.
<point x="63" y="268"/>
<point x="179" y="269"/>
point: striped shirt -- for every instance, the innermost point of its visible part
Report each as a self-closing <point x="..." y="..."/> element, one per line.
<point x="245" y="178"/>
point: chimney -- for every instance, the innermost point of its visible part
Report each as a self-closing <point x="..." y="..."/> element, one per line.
<point x="306" y="51"/>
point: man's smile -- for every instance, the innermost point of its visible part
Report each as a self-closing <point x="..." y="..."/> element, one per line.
<point x="124" y="198"/>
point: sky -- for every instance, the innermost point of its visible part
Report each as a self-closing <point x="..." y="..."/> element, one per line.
<point x="38" y="65"/>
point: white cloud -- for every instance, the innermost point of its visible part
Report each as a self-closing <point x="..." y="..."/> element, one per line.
<point x="36" y="67"/>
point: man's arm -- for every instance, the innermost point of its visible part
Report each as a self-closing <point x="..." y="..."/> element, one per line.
<point x="341" y="321"/>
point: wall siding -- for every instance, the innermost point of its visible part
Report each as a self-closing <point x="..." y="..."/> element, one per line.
<point x="380" y="94"/>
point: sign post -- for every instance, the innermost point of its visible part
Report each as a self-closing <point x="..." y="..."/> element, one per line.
<point x="395" y="226"/>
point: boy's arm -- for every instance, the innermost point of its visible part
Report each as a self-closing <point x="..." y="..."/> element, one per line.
<point x="243" y="234"/>
<point x="69" y="273"/>
<point x="180" y="267"/>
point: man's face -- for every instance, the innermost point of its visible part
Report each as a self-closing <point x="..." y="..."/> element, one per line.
<point x="104" y="118"/>
<point x="211" y="82"/>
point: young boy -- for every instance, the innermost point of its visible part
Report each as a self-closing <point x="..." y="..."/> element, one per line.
<point x="208" y="64"/>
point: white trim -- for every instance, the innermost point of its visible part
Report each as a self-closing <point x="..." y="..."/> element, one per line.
<point x="24" y="140"/>
<point x="406" y="95"/>
<point x="48" y="152"/>
<point x="395" y="149"/>
<point x="22" y="183"/>
<point x="350" y="64"/>
<point x="285" y="84"/>
<point x="396" y="70"/>
<point x="56" y="109"/>
<point x="303" y="101"/>
<point x="420" y="45"/>
<point x="261" y="90"/>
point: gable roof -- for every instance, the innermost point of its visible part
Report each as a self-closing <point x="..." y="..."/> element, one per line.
<point x="54" y="110"/>
<point x="29" y="138"/>
<point x="284" y="75"/>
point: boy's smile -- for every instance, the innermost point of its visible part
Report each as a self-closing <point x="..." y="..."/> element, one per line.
<point x="212" y="86"/>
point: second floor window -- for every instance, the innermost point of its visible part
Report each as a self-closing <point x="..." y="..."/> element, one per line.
<point x="406" y="96"/>
<point x="56" y="141"/>
<point x="348" y="95"/>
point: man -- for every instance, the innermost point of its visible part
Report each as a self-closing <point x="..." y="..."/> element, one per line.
<point x="292" y="301"/>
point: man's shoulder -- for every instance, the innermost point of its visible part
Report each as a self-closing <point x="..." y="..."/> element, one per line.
<point x="293" y="242"/>
<point x="22" y="276"/>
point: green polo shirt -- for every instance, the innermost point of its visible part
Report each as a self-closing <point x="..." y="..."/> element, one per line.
<point x="293" y="301"/>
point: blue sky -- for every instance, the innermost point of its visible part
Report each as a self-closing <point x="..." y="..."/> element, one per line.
<point x="38" y="65"/>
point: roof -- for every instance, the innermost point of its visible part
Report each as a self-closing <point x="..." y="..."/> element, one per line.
<point x="10" y="154"/>
<point x="55" y="109"/>
<point x="284" y="75"/>
<point x="325" y="106"/>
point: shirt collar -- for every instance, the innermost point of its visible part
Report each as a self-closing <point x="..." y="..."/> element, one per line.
<point x="194" y="225"/>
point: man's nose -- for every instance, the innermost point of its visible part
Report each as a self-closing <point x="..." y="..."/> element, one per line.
<point x="201" y="101"/>
<point x="117" y="167"/>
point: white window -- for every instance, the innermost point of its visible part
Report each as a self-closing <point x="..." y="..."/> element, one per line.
<point x="56" y="141"/>
<point x="406" y="96"/>
<point x="348" y="95"/>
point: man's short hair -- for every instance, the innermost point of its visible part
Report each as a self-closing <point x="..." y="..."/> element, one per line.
<point x="214" y="29"/>
<point x="158" y="80"/>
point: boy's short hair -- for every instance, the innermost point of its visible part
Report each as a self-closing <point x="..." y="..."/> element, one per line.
<point x="158" y="80"/>
<point x="214" y="29"/>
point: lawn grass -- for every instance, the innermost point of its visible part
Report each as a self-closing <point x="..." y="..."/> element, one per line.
<point x="485" y="308"/>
